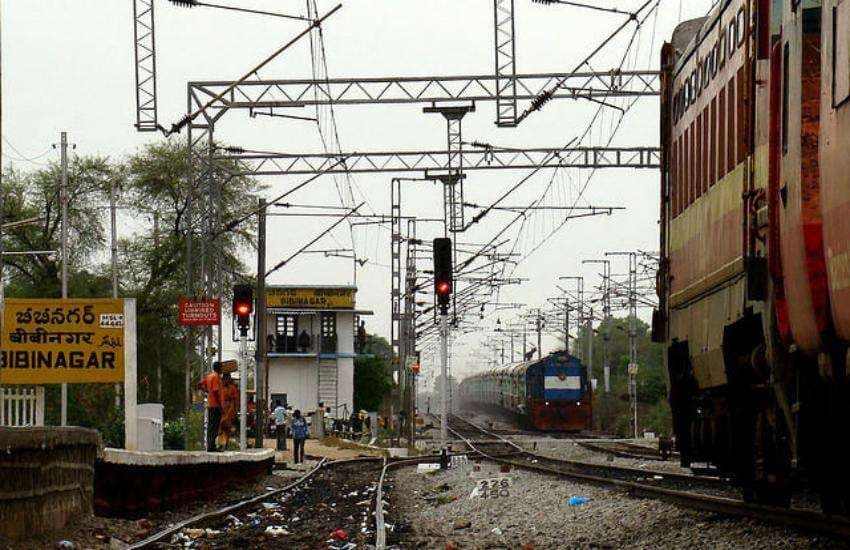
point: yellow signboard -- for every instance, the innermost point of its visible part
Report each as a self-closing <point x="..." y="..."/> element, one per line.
<point x="310" y="298"/>
<point x="52" y="341"/>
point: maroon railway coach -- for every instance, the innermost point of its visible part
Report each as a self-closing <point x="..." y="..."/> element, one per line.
<point x="754" y="284"/>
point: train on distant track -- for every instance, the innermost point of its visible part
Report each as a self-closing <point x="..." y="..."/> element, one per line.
<point x="551" y="394"/>
<point x="754" y="284"/>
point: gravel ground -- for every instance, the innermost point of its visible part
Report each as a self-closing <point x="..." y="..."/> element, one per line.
<point x="97" y="532"/>
<point x="436" y="511"/>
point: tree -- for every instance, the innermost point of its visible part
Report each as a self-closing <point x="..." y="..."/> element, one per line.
<point x="612" y="412"/>
<point x="35" y="196"/>
<point x="153" y="182"/>
<point x="157" y="185"/>
<point x="372" y="381"/>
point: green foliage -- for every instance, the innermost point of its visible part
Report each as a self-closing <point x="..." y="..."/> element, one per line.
<point x="378" y="346"/>
<point x="173" y="434"/>
<point x="612" y="411"/>
<point x="372" y="381"/>
<point x="152" y="182"/>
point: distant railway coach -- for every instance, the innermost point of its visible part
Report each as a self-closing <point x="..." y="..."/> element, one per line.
<point x="754" y="287"/>
<point x="550" y="394"/>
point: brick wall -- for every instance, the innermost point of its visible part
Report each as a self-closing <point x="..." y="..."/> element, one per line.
<point x="47" y="478"/>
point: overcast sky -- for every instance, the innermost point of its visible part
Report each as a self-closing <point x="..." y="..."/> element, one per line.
<point x="68" y="65"/>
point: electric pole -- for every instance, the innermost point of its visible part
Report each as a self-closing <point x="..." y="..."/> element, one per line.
<point x="113" y="234"/>
<point x="261" y="380"/>
<point x="606" y="319"/>
<point x="633" y="365"/>
<point x="63" y="198"/>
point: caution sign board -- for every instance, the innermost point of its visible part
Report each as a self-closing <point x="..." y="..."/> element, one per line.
<point x="52" y="341"/>
<point x="199" y="311"/>
<point x="310" y="298"/>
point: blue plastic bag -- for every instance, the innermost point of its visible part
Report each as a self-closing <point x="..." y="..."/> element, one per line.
<point x="578" y="501"/>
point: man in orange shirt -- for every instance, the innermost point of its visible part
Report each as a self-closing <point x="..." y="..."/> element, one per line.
<point x="211" y="383"/>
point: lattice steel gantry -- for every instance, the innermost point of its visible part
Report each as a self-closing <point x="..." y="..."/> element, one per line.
<point x="505" y="33"/>
<point x="145" y="53"/>
<point x="453" y="179"/>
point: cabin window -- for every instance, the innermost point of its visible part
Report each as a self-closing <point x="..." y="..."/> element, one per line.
<point x="714" y="62"/>
<point x="328" y="321"/>
<point x="841" y="53"/>
<point x="786" y="54"/>
<point x="732" y="34"/>
<point x="741" y="24"/>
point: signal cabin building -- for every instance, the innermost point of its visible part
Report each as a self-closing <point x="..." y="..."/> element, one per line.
<point x="311" y="335"/>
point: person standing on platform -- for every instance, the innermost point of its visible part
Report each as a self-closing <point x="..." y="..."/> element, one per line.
<point x="211" y="383"/>
<point x="279" y="415"/>
<point x="229" y="410"/>
<point x="299" y="428"/>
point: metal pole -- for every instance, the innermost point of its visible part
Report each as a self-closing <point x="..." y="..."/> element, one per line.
<point x="159" y="325"/>
<point x="243" y="390"/>
<point x="539" y="351"/>
<point x="444" y="371"/>
<point x="590" y="345"/>
<point x="63" y="197"/>
<point x="633" y="334"/>
<point x="114" y="250"/>
<point x="567" y="325"/>
<point x="261" y="380"/>
<point x="190" y="284"/>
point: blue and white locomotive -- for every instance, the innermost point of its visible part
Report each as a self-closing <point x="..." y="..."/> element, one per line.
<point x="550" y="394"/>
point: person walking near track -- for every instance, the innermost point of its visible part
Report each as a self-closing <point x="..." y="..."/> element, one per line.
<point x="298" y="425"/>
<point x="279" y="415"/>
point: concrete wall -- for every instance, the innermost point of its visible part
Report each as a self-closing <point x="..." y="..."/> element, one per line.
<point x="297" y="377"/>
<point x="46" y="478"/>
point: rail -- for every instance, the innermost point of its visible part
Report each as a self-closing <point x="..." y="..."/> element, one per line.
<point x="801" y="519"/>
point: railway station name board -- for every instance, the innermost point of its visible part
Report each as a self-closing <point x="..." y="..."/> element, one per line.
<point x="199" y="311"/>
<point x="310" y="297"/>
<point x="52" y="341"/>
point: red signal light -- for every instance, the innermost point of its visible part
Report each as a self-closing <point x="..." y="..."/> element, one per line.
<point x="243" y="309"/>
<point x="444" y="288"/>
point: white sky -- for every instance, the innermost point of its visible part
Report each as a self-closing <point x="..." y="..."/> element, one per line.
<point x="68" y="65"/>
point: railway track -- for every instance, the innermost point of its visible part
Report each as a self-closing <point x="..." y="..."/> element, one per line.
<point x="624" y="450"/>
<point x="677" y="489"/>
<point x="230" y="522"/>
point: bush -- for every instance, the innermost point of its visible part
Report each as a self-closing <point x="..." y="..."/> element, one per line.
<point x="659" y="419"/>
<point x="172" y="435"/>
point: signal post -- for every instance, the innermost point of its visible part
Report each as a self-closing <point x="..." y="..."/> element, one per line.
<point x="243" y="306"/>
<point x="443" y="289"/>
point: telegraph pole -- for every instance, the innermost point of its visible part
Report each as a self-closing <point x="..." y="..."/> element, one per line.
<point x="63" y="197"/>
<point x="114" y="251"/>
<point x="261" y="380"/>
<point x="633" y="364"/>
<point x="606" y="319"/>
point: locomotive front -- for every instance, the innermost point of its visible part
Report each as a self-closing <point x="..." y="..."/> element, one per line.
<point x="560" y="396"/>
